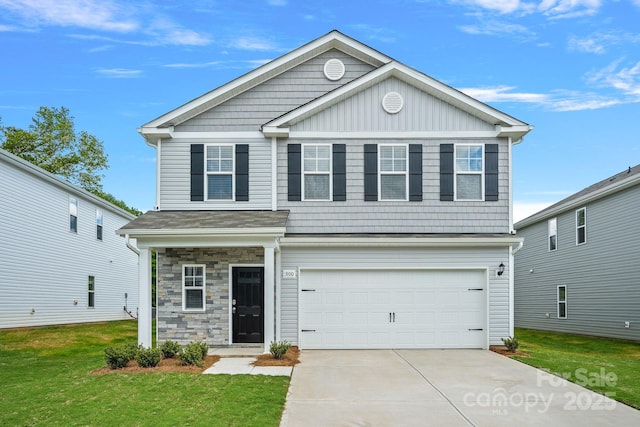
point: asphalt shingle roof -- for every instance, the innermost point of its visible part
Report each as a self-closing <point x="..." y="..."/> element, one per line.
<point x="183" y="220"/>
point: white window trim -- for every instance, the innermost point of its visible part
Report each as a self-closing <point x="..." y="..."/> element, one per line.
<point x="566" y="312"/>
<point x="549" y="235"/>
<point x="204" y="289"/>
<point x="329" y="173"/>
<point x="405" y="173"/>
<point x="456" y="173"/>
<point x="91" y="292"/>
<point x="233" y="173"/>
<point x="581" y="226"/>
<point x="77" y="208"/>
<point x="100" y="223"/>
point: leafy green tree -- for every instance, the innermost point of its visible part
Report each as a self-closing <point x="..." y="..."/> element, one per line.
<point x="52" y="143"/>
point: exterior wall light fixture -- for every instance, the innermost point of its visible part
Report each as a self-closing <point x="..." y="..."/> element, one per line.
<point x="500" y="269"/>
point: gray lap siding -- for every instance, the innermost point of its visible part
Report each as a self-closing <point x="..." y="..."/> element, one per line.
<point x="212" y="325"/>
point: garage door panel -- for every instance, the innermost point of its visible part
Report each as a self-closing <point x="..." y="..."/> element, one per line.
<point x="393" y="309"/>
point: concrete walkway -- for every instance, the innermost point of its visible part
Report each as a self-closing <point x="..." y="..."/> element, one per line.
<point x="243" y="365"/>
<point x="439" y="388"/>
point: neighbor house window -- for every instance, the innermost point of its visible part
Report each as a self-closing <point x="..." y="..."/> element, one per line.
<point x="553" y="234"/>
<point x="73" y="214"/>
<point x="99" y="220"/>
<point x="469" y="172"/>
<point x="562" y="302"/>
<point x="91" y="289"/>
<point x="393" y="172"/>
<point x="220" y="161"/>
<point x="193" y="287"/>
<point x="581" y="226"/>
<point x="316" y="170"/>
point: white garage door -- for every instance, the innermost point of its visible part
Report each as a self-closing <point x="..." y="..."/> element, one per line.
<point x="341" y="309"/>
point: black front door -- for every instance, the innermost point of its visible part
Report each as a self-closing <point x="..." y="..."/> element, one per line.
<point x="247" y="304"/>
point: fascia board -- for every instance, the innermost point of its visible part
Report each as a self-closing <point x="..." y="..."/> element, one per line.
<point x="202" y="241"/>
<point x="399" y="241"/>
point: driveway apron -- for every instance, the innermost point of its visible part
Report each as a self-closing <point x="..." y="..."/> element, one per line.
<point x="439" y="388"/>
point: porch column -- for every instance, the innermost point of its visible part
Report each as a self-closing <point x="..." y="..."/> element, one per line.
<point x="269" y="297"/>
<point x="144" y="298"/>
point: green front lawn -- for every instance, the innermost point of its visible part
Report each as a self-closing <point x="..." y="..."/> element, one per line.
<point x="45" y="380"/>
<point x="607" y="366"/>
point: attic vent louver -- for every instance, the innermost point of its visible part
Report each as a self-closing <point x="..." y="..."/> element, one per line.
<point x="334" y="69"/>
<point x="392" y="102"/>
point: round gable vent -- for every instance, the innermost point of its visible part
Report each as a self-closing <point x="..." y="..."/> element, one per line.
<point x="334" y="69"/>
<point x="392" y="102"/>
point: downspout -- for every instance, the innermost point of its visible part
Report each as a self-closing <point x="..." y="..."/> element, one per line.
<point x="130" y="246"/>
<point x="512" y="252"/>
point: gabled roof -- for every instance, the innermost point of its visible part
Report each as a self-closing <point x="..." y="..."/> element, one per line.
<point x="505" y="124"/>
<point x="621" y="181"/>
<point x="160" y="126"/>
<point x="54" y="180"/>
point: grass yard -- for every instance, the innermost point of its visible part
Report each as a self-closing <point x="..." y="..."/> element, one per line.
<point x="45" y="380"/>
<point x="599" y="364"/>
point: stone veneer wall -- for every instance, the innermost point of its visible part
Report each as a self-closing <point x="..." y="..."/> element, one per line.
<point x="212" y="325"/>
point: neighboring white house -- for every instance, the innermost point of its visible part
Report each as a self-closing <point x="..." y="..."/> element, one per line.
<point x="333" y="198"/>
<point x="60" y="258"/>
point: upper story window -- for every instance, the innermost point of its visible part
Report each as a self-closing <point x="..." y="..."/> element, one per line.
<point x="73" y="214"/>
<point x="193" y="287"/>
<point x="316" y="172"/>
<point x="220" y="169"/>
<point x="552" y="226"/>
<point x="469" y="172"/>
<point x="99" y="221"/>
<point x="393" y="179"/>
<point x="581" y="226"/>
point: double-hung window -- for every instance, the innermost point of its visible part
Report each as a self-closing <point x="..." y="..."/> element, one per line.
<point x="91" y="292"/>
<point x="394" y="178"/>
<point x="220" y="164"/>
<point x="469" y="172"/>
<point x="73" y="214"/>
<point x="316" y="170"/>
<point x="99" y="223"/>
<point x="552" y="226"/>
<point x="562" y="302"/>
<point x="193" y="287"/>
<point x="581" y="226"/>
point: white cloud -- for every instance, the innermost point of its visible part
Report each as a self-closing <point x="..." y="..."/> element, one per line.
<point x="253" y="43"/>
<point x="119" y="73"/>
<point x="623" y="79"/>
<point x="588" y="45"/>
<point x="169" y="33"/>
<point x="493" y="27"/>
<point x="504" y="94"/>
<point x="554" y="9"/>
<point x="251" y="63"/>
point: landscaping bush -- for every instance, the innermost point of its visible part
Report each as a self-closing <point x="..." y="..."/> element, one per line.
<point x="170" y="349"/>
<point x="512" y="344"/>
<point x="279" y="349"/>
<point x="117" y="357"/>
<point x="192" y="355"/>
<point x="132" y="350"/>
<point x="204" y="348"/>
<point x="149" y="357"/>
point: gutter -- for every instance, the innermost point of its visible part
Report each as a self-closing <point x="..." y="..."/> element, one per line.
<point x="130" y="246"/>
<point x="517" y="248"/>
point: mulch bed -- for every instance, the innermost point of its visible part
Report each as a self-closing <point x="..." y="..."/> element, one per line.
<point x="500" y="349"/>
<point x="290" y="358"/>
<point x="165" y="365"/>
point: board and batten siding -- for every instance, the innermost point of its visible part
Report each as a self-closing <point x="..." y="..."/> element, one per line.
<point x="255" y="107"/>
<point x="296" y="258"/>
<point x="428" y="216"/>
<point x="602" y="276"/>
<point x="44" y="267"/>
<point x="421" y="112"/>
<point x="175" y="180"/>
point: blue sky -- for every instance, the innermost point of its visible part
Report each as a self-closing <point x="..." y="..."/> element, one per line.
<point x="570" y="68"/>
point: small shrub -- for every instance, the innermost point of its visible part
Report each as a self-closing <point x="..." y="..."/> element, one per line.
<point x="512" y="344"/>
<point x="204" y="348"/>
<point x="279" y="349"/>
<point x="149" y="357"/>
<point x="191" y="355"/>
<point x="117" y="357"/>
<point x="132" y="350"/>
<point x="170" y="349"/>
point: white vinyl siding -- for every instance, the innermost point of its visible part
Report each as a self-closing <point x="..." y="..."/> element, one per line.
<point x="193" y="287"/>
<point x="469" y="172"/>
<point x="393" y="179"/>
<point x="552" y="226"/>
<point x="562" y="302"/>
<point x="581" y="226"/>
<point x="316" y="171"/>
<point x="220" y="165"/>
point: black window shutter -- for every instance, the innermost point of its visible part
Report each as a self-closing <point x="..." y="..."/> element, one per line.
<point x="197" y="172"/>
<point x="339" y="172"/>
<point x="294" y="165"/>
<point x="491" y="172"/>
<point x="370" y="172"/>
<point x="242" y="172"/>
<point x="415" y="172"/>
<point x="446" y="172"/>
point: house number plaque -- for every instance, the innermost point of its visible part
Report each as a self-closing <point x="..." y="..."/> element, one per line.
<point x="289" y="274"/>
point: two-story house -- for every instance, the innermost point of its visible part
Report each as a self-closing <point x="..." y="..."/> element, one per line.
<point x="60" y="258"/>
<point x="578" y="270"/>
<point x="333" y="198"/>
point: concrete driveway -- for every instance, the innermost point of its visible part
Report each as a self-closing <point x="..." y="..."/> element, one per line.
<point x="440" y="388"/>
